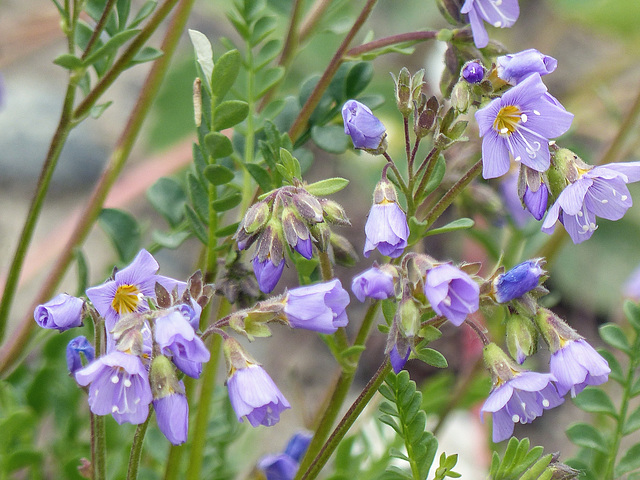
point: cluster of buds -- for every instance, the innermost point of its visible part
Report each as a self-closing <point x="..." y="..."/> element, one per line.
<point x="288" y="216"/>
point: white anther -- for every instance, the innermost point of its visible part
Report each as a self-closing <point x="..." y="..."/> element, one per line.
<point x="115" y="379"/>
<point x="504" y="130"/>
<point x="447" y="301"/>
<point x="623" y="198"/>
<point x="580" y="214"/>
<point x="585" y="228"/>
<point x="515" y="419"/>
<point x="536" y="112"/>
<point x="498" y="24"/>
<point x="114" y="409"/>
<point x="518" y="158"/>
<point x="605" y="201"/>
<point x="127" y="383"/>
<point x="545" y="403"/>
<point x="524" y="118"/>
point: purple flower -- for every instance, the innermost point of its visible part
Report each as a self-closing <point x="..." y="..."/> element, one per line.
<point x="520" y="399"/>
<point x="278" y="467"/>
<point x="536" y="202"/>
<point x="386" y="229"/>
<point x="515" y="67"/>
<point x="519" y="280"/>
<point x="60" y="313"/>
<point x="520" y="124"/>
<point x="119" y="385"/>
<point x="304" y="247"/>
<point x="511" y="202"/>
<point x="600" y="191"/>
<point x="267" y="273"/>
<point x="298" y="445"/>
<point x="451" y="293"/>
<point x="473" y="72"/>
<point x="76" y="347"/>
<point x="576" y="365"/>
<point x="373" y="283"/>
<point x="364" y="128"/>
<point x="127" y="291"/>
<point x="172" y="413"/>
<point x="319" y="307"/>
<point x="499" y="13"/>
<point x="254" y="395"/>
<point x="178" y="339"/>
<point x="398" y="361"/>
<point x="191" y="313"/>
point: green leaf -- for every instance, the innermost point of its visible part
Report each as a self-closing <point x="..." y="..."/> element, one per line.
<point x="632" y="423"/>
<point x="199" y="197"/>
<point x="225" y="73"/>
<point x="326" y="187"/>
<point x="358" y="78"/>
<point x="632" y="312"/>
<point x="616" y="370"/>
<point x="168" y="198"/>
<point x="436" y="176"/>
<point x="268" y="79"/>
<point x="227" y="202"/>
<point x="170" y="240"/>
<point x="629" y="462"/>
<point x="147" y="54"/>
<point x="226" y="231"/>
<point x="230" y="113"/>
<point x="261" y="29"/>
<point x="23" y="458"/>
<point x="459" y="224"/>
<point x="123" y="231"/>
<point x="218" y="145"/>
<point x="147" y="8"/>
<point x="290" y="164"/>
<point x="596" y="401"/>
<point x="260" y="175"/>
<point x="98" y="110"/>
<point x="218" y="174"/>
<point x="416" y="230"/>
<point x="68" y="61"/>
<point x="429" y="333"/>
<point x="330" y="138"/>
<point x="587" y="436"/>
<point x="635" y="388"/>
<point x="432" y="357"/>
<point x="204" y="52"/>
<point x="613" y="335"/>
<point x="197" y="227"/>
<point x="111" y="46"/>
<point x="267" y="53"/>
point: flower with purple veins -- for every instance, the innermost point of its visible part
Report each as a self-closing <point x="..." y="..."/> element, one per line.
<point x="576" y="365"/>
<point x="521" y="279"/>
<point x="515" y="67"/>
<point x="127" y="291"/>
<point x="600" y="191"/>
<point x="177" y="338"/>
<point x="172" y="415"/>
<point x="364" y="128"/>
<point x="451" y="292"/>
<point x="519" y="124"/>
<point x="267" y="274"/>
<point x="520" y="399"/>
<point x="254" y="395"/>
<point x="536" y="202"/>
<point x="60" y="313"/>
<point x="320" y="307"/>
<point x="373" y="283"/>
<point x="386" y="228"/>
<point x="76" y="347"/>
<point x="191" y="313"/>
<point x="498" y="13"/>
<point x="118" y="384"/>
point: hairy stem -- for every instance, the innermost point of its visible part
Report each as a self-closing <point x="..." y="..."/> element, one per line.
<point x="392" y="40"/>
<point x="136" y="448"/>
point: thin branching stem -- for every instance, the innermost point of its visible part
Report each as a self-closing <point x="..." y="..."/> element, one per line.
<point x="136" y="448"/>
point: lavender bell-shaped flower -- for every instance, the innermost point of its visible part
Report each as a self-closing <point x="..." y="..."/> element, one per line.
<point x="519" y="124"/>
<point x="177" y="338"/>
<point x="451" y="292"/>
<point x="498" y="13"/>
<point x="118" y="384"/>
<point x="521" y="279"/>
<point x="386" y="228"/>
<point x="75" y="348"/>
<point x="169" y="400"/>
<point x="320" y="307"/>
<point x="60" y="313"/>
<point x="364" y="128"/>
<point x="284" y="466"/>
<point x="515" y="67"/>
<point x="376" y="282"/>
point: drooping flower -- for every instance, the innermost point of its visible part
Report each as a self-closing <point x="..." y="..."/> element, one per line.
<point x="364" y="128"/>
<point x="521" y="279"/>
<point x="60" y="313"/>
<point x="267" y="273"/>
<point x="520" y="124"/>
<point x="451" y="292"/>
<point x="473" y="72"/>
<point x="75" y="348"/>
<point x="284" y="466"/>
<point x="119" y="385"/>
<point x="386" y="228"/>
<point x="172" y="414"/>
<point x="498" y="13"/>
<point x="515" y="67"/>
<point x="577" y="365"/>
<point x="191" y="313"/>
<point x="398" y="361"/>
<point x="127" y="291"/>
<point x="598" y="192"/>
<point x="536" y="202"/>
<point x="374" y="283"/>
<point x="320" y="307"/>
<point x="297" y="234"/>
<point x="178" y="339"/>
<point x="298" y="445"/>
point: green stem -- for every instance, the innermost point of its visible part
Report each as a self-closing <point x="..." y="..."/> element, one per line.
<point x="427" y="165"/>
<point x="634" y="363"/>
<point x="453" y="192"/>
<point x="326" y="269"/>
<point x="313" y="18"/>
<point x="136" y="448"/>
<point x="57" y="143"/>
<point x="98" y="435"/>
<point x="392" y="40"/>
<point x="99" y="27"/>
<point x="345" y="424"/>
<point x="300" y="123"/>
<point x="249" y="143"/>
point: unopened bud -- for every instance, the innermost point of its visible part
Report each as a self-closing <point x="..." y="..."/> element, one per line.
<point x="403" y="92"/>
<point x="256" y="217"/>
<point x="334" y="213"/>
<point x="343" y="250"/>
<point x="522" y="338"/>
<point x="308" y="207"/>
<point x="163" y="379"/>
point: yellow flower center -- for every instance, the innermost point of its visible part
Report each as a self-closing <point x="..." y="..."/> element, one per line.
<point x="126" y="299"/>
<point x="507" y="120"/>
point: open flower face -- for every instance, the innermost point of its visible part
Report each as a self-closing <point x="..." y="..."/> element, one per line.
<point x="498" y="13"/>
<point x="519" y="125"/>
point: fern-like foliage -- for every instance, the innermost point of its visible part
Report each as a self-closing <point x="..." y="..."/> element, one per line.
<point x="402" y="412"/>
<point x="599" y="457"/>
<point x="521" y="463"/>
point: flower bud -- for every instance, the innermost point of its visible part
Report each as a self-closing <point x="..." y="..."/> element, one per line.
<point x="343" y="250"/>
<point x="76" y="347"/>
<point x="334" y="213"/>
<point x="425" y="120"/>
<point x="408" y="316"/>
<point x="522" y="338"/>
<point x="308" y="207"/>
<point x="461" y="96"/>
<point x="473" y="72"/>
<point x="501" y="367"/>
<point x="321" y="236"/>
<point x="403" y="92"/>
<point x="256" y="217"/>
<point x="296" y="233"/>
<point x="364" y="128"/>
<point x="519" y="280"/>
<point x="515" y="67"/>
<point x="169" y="400"/>
<point x="60" y="313"/>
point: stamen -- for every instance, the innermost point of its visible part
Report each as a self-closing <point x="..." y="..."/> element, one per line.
<point x="507" y="120"/>
<point x="126" y="299"/>
<point x="623" y="198"/>
<point x="536" y="112"/>
<point x="447" y="301"/>
<point x="515" y="418"/>
<point x="115" y="379"/>
<point x="545" y="403"/>
<point x="127" y="383"/>
<point x="524" y="118"/>
<point x="114" y="409"/>
<point x="604" y="200"/>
